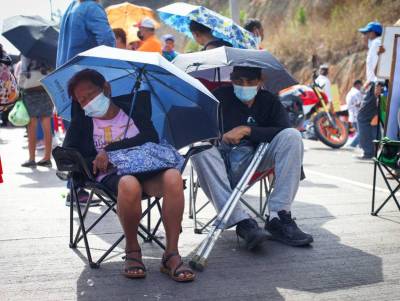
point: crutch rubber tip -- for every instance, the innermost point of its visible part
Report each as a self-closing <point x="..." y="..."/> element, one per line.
<point x="374" y="214"/>
<point x="198" y="264"/>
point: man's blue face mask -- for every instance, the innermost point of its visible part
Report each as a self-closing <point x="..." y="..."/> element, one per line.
<point x="245" y="93"/>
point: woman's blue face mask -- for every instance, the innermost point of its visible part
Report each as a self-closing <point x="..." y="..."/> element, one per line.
<point x="245" y="93"/>
<point x="98" y="106"/>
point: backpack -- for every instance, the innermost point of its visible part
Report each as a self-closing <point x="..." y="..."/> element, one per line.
<point x="8" y="84"/>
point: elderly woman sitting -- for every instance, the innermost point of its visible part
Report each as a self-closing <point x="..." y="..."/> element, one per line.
<point x="98" y="126"/>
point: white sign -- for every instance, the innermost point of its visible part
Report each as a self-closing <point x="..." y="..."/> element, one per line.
<point x="385" y="59"/>
<point x="392" y="128"/>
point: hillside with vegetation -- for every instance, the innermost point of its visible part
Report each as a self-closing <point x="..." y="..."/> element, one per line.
<point x="306" y="33"/>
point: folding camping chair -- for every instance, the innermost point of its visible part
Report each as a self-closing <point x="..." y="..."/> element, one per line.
<point x="71" y="161"/>
<point x="386" y="160"/>
<point x="266" y="181"/>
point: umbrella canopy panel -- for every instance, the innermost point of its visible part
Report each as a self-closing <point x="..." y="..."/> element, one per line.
<point x="33" y="36"/>
<point x="175" y="95"/>
<point x="126" y="15"/>
<point x="217" y="64"/>
<point x="178" y="15"/>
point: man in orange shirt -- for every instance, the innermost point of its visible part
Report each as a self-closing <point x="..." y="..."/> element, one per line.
<point x="147" y="34"/>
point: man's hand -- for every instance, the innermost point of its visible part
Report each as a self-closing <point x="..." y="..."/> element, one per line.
<point x="235" y="135"/>
<point x="100" y="163"/>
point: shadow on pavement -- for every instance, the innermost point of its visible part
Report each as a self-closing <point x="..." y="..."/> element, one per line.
<point x="235" y="274"/>
<point x="42" y="177"/>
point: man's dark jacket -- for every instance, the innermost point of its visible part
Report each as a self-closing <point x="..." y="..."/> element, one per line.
<point x="266" y="117"/>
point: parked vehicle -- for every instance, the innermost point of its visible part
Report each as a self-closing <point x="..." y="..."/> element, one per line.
<point x="309" y="111"/>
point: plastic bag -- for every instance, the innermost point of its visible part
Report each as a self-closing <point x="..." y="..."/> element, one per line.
<point x="19" y="114"/>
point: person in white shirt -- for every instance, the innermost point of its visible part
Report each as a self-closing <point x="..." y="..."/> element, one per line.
<point x="367" y="130"/>
<point x="323" y="81"/>
<point x="372" y="35"/>
<point x="353" y="100"/>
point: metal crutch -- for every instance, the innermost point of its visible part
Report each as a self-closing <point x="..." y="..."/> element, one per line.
<point x="199" y="260"/>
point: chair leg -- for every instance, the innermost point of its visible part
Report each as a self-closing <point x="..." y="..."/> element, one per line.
<point x="78" y="232"/>
<point x="71" y="217"/>
<point x="97" y="264"/>
<point x="191" y="177"/>
<point x="82" y="225"/>
<point x="148" y="238"/>
<point x="373" y="191"/>
<point x="392" y="192"/>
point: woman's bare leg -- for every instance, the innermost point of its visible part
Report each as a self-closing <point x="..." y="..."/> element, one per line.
<point x="169" y="185"/>
<point x="129" y="209"/>
<point x="32" y="138"/>
<point x="46" y="125"/>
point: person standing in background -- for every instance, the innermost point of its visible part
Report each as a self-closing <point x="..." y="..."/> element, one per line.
<point x="83" y="26"/>
<point x="39" y="106"/>
<point x="323" y="81"/>
<point x="256" y="28"/>
<point x="353" y="100"/>
<point x="146" y="33"/>
<point x="203" y="36"/>
<point x="372" y="37"/>
<point x="367" y="128"/>
<point x="169" y="47"/>
<point x="120" y="38"/>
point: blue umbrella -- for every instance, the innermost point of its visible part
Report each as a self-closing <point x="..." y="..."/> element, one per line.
<point x="183" y="110"/>
<point x="178" y="15"/>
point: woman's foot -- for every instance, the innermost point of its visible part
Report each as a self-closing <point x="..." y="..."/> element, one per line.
<point x="44" y="163"/>
<point x="29" y="163"/>
<point x="173" y="266"/>
<point x="133" y="266"/>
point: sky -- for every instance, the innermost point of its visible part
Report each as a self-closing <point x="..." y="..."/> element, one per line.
<point x="28" y="7"/>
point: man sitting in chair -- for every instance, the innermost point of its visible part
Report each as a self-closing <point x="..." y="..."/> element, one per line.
<point x="98" y="126"/>
<point x="248" y="112"/>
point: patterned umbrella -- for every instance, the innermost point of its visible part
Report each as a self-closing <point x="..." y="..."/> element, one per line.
<point x="178" y="15"/>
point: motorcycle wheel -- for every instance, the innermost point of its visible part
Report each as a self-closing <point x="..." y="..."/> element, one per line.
<point x="327" y="133"/>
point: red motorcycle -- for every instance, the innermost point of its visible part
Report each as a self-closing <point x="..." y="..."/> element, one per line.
<point x="309" y="111"/>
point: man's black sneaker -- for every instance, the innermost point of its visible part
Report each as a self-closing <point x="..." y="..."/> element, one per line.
<point x="253" y="235"/>
<point x="284" y="229"/>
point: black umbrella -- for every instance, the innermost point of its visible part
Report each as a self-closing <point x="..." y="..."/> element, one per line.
<point x="33" y="36"/>
<point x="217" y="64"/>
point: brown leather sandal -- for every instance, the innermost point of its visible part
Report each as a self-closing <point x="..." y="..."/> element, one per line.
<point x="180" y="270"/>
<point x="129" y="270"/>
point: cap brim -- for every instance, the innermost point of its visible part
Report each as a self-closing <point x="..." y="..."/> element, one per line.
<point x="363" y="30"/>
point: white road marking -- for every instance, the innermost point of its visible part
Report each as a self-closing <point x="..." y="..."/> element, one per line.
<point x="355" y="183"/>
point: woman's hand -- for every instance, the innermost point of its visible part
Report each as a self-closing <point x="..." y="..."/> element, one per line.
<point x="100" y="163"/>
<point x="236" y="134"/>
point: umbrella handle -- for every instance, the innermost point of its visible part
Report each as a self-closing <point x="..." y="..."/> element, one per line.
<point x="134" y="92"/>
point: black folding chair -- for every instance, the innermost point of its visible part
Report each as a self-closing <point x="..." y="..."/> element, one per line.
<point x="71" y="161"/>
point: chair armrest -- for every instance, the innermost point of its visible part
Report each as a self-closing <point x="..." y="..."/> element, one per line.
<point x="193" y="150"/>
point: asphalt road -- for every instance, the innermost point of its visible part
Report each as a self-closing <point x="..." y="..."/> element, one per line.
<point x="355" y="256"/>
